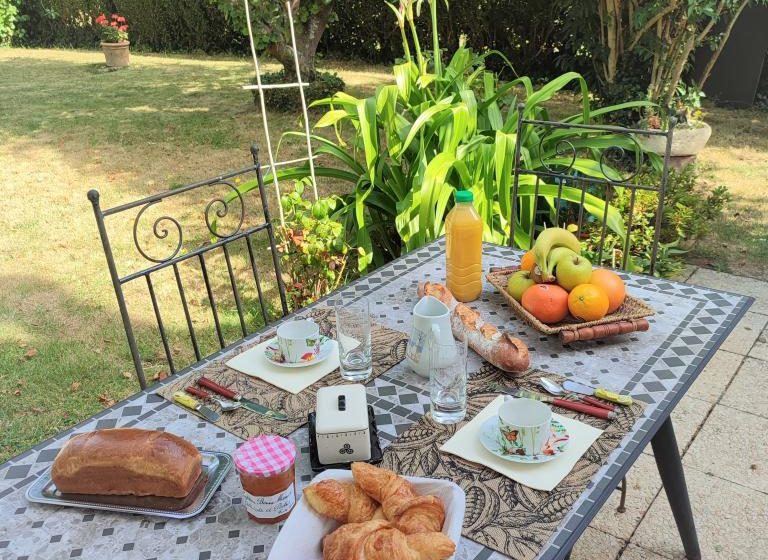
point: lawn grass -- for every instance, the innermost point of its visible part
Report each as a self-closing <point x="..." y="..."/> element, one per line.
<point x="737" y="157"/>
<point x="68" y="126"/>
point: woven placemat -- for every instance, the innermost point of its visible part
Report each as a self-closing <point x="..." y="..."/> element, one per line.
<point x="633" y="308"/>
<point x="502" y="514"/>
<point x="388" y="349"/>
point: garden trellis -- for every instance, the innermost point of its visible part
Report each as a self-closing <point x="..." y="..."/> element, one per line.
<point x="273" y="165"/>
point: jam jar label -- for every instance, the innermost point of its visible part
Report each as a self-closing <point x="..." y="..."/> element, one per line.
<point x="268" y="507"/>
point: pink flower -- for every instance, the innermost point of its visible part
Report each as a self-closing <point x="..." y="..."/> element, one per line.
<point x="113" y="24"/>
<point x="123" y="28"/>
<point x="114" y="16"/>
<point x="120" y="19"/>
<point x="101" y="20"/>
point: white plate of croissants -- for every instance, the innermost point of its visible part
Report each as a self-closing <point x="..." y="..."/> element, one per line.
<point x="370" y="513"/>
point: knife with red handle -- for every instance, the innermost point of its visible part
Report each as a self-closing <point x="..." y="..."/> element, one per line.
<point x="218" y="389"/>
<point x="597" y="402"/>
<point x="197" y="392"/>
<point x="247" y="403"/>
<point x="592" y="410"/>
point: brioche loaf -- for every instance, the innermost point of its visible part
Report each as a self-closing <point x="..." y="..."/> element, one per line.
<point x="128" y="462"/>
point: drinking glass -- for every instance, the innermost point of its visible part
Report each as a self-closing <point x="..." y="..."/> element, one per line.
<point x="448" y="382"/>
<point x="353" y="333"/>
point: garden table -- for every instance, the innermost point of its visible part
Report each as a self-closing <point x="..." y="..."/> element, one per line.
<point x="656" y="367"/>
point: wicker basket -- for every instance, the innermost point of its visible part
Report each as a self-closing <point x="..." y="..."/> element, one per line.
<point x="632" y="312"/>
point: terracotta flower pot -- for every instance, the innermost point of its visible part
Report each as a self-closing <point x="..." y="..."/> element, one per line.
<point x="116" y="54"/>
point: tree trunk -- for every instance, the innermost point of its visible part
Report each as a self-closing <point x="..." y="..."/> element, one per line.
<point x="308" y="36"/>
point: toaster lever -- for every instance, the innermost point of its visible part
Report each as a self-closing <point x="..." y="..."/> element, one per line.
<point x="342" y="402"/>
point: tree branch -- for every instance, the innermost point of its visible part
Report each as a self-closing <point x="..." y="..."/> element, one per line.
<point x="677" y="69"/>
<point x="612" y="23"/>
<point x="651" y="22"/>
<point x="712" y="21"/>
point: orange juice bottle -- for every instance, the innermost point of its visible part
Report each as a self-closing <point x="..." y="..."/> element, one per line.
<point x="464" y="249"/>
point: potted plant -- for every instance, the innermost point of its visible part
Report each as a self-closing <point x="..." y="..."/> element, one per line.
<point x="115" y="41"/>
<point x="691" y="132"/>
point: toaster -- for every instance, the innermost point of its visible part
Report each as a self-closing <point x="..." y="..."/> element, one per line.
<point x="342" y="430"/>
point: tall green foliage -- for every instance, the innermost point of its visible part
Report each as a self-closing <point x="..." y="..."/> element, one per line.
<point x="438" y="129"/>
<point x="9" y="19"/>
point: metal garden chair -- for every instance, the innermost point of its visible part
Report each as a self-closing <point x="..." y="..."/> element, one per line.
<point x="242" y="239"/>
<point x="552" y="186"/>
<point x="555" y="184"/>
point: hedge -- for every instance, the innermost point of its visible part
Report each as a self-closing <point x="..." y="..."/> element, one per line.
<point x="523" y="30"/>
<point x="155" y="25"/>
<point x="526" y="31"/>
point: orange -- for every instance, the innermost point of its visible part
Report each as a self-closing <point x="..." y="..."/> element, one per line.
<point x="588" y="302"/>
<point x="528" y="261"/>
<point x="547" y="302"/>
<point x="612" y="285"/>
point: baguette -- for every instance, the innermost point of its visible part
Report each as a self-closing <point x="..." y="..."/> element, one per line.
<point x="504" y="351"/>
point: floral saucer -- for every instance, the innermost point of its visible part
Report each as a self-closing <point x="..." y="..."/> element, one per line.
<point x="274" y="356"/>
<point x="492" y="440"/>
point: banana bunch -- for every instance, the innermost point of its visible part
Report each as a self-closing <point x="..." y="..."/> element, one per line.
<point x="552" y="245"/>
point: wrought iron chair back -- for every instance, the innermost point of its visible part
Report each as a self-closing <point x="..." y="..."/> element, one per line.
<point x="568" y="185"/>
<point x="220" y="242"/>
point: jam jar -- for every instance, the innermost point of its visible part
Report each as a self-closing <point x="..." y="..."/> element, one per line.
<point x="267" y="473"/>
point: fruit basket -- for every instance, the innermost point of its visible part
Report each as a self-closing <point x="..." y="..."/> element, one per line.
<point x="630" y="317"/>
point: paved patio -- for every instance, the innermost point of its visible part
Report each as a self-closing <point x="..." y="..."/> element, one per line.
<point x="722" y="430"/>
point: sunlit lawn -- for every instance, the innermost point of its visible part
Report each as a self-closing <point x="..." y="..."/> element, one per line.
<point x="66" y="126"/>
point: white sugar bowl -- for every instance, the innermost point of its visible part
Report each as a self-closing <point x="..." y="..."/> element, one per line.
<point x="341" y="424"/>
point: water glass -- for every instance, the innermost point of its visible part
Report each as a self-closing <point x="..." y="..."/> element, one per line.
<point x="353" y="333"/>
<point x="448" y="382"/>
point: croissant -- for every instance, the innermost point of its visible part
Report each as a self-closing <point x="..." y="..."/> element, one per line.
<point x="379" y="540"/>
<point x="343" y="501"/>
<point x="408" y="512"/>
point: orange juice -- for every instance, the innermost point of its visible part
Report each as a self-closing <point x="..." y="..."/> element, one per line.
<point x="464" y="249"/>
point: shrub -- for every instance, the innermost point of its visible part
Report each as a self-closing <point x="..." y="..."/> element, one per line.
<point x="314" y="253"/>
<point x="286" y="100"/>
<point x="9" y="20"/>
<point x="689" y="211"/>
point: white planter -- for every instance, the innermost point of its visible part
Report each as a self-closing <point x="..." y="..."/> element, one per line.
<point x="685" y="141"/>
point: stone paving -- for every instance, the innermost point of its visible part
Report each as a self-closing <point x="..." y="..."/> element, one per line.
<point x="722" y="431"/>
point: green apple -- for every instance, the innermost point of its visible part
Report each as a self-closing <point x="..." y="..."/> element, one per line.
<point x="518" y="283"/>
<point x="573" y="270"/>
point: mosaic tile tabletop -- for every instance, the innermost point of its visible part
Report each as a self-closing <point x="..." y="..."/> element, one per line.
<point x="655" y="366"/>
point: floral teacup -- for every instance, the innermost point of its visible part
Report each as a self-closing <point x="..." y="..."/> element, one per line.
<point x="299" y="341"/>
<point x="525" y="425"/>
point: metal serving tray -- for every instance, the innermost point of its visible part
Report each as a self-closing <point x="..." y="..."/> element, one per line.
<point x="215" y="465"/>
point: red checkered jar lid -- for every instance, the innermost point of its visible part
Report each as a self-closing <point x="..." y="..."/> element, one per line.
<point x="265" y="456"/>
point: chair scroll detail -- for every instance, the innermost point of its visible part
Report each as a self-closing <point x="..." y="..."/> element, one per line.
<point x="616" y="159"/>
<point x="222" y="240"/>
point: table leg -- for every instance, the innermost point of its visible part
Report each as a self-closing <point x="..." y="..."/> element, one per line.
<point x="670" y="467"/>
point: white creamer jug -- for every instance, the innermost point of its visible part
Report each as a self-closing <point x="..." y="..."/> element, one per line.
<point x="431" y="324"/>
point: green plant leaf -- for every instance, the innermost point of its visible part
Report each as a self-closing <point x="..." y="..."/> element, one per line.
<point x="331" y="118"/>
